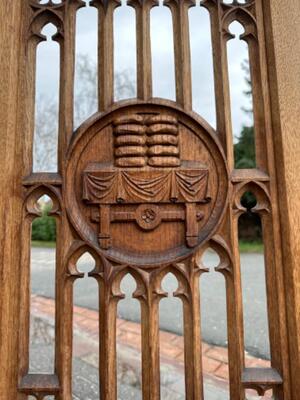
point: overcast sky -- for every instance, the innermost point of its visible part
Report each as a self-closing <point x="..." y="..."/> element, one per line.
<point x="162" y="58"/>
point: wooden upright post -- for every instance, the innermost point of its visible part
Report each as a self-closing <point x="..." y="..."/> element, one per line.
<point x="282" y="27"/>
<point x="10" y="199"/>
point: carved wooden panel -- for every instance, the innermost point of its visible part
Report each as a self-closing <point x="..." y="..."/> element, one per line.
<point x="170" y="183"/>
<point x="146" y="186"/>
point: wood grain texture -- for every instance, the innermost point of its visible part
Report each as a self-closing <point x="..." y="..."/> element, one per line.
<point x="283" y="66"/>
<point x="221" y="78"/>
<point x="143" y="44"/>
<point x="145" y="186"/>
<point x="12" y="16"/>
<point x="105" y="51"/>
<point x="261" y="379"/>
<point x="182" y="51"/>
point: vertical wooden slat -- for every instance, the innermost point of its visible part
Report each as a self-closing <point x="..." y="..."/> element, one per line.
<point x="108" y="303"/>
<point x="182" y="51"/>
<point x="273" y="256"/>
<point x="64" y="284"/>
<point x="192" y="335"/>
<point x="143" y="37"/>
<point x="64" y="312"/>
<point x="221" y="79"/>
<point x="25" y="300"/>
<point x="235" y="322"/>
<point x="12" y="17"/>
<point x="27" y="117"/>
<point x="273" y="301"/>
<point x="64" y="337"/>
<point x="283" y="69"/>
<point x="230" y="268"/>
<point x="150" y="348"/>
<point x="106" y="10"/>
<point x="67" y="71"/>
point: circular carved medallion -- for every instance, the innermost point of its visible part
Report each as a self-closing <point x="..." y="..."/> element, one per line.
<point x="145" y="183"/>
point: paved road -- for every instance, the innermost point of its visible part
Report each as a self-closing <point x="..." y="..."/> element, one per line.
<point x="213" y="301"/>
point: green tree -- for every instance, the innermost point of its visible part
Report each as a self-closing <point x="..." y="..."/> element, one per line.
<point x="244" y="149"/>
<point x="44" y="227"/>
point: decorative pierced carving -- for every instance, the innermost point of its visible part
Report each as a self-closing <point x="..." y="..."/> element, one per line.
<point x="35" y="192"/>
<point x="261" y="192"/>
<point x="37" y="5"/>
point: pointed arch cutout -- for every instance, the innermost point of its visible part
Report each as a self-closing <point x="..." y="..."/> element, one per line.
<point x="245" y="18"/>
<point x="77" y="249"/>
<point x="118" y="276"/>
<point x="35" y="193"/>
<point x="259" y="190"/>
<point x="43" y="18"/>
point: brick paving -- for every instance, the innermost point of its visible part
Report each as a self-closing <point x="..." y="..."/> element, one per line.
<point x="215" y="359"/>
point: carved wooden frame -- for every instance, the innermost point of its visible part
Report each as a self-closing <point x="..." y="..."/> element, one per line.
<point x="274" y="182"/>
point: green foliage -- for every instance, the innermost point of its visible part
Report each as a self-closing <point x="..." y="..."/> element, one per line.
<point x="244" y="149"/>
<point x="44" y="227"/>
<point x="251" y="247"/>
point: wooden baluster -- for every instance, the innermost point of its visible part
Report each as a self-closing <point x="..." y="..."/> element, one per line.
<point x="106" y="10"/>
<point x="64" y="284"/>
<point x="108" y="302"/>
<point x="182" y="51"/>
<point x="150" y="343"/>
<point x="235" y="322"/>
<point x="192" y="335"/>
<point x="221" y="79"/>
<point x="230" y="268"/>
<point x="67" y="70"/>
<point x="107" y="324"/>
<point x="66" y="274"/>
<point x="274" y="300"/>
<point x="64" y="337"/>
<point x="143" y="38"/>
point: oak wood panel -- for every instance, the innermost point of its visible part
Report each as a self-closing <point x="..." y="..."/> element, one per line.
<point x="12" y="51"/>
<point x="283" y="67"/>
<point x="146" y="187"/>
